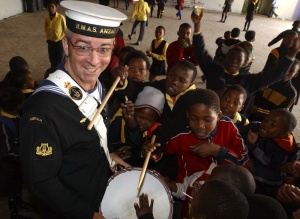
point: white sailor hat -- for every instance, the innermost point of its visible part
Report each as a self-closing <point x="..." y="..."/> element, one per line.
<point x="92" y="19"/>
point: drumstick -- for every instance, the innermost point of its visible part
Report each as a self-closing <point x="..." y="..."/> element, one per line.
<point x="145" y="164"/>
<point x="109" y="93"/>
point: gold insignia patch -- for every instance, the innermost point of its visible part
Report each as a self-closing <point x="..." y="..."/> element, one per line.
<point x="67" y="85"/>
<point x="34" y="118"/>
<point x="75" y="93"/>
<point x="43" y="150"/>
<point x="83" y="120"/>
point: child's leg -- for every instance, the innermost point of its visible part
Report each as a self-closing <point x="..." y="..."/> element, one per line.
<point x="225" y="17"/>
<point x="133" y="29"/>
<point x="222" y="17"/>
<point x="179" y="14"/>
<point x="248" y="25"/>
<point x="142" y="31"/>
<point x="245" y="25"/>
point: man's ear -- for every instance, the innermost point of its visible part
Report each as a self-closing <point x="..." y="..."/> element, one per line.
<point x="65" y="46"/>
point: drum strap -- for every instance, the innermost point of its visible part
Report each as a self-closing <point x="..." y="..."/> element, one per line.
<point x="87" y="105"/>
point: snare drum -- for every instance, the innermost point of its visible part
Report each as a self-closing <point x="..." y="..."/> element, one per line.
<point x="121" y="194"/>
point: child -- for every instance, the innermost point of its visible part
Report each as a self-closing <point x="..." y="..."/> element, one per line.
<point x="179" y="7"/>
<point x="24" y="81"/>
<point x="281" y="51"/>
<point x="219" y="200"/>
<point x="217" y="75"/>
<point x="232" y="102"/>
<point x="181" y="48"/>
<point x="250" y="14"/>
<point x="55" y="28"/>
<point x="229" y="43"/>
<point x="209" y="137"/>
<point x="16" y="63"/>
<point x="279" y="95"/>
<point x="158" y="51"/>
<point x="138" y="119"/>
<point x="177" y="86"/>
<point x="219" y="42"/>
<point x="250" y="38"/>
<point x="160" y="8"/>
<point x="140" y="11"/>
<point x="226" y="9"/>
<point x="11" y="182"/>
<point x="138" y="65"/>
<point x="271" y="145"/>
<point x="262" y="206"/>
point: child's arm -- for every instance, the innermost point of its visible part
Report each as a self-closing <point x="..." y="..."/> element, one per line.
<point x="205" y="61"/>
<point x="162" y="56"/>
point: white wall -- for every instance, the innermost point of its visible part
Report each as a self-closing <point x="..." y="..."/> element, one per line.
<point x="216" y="5"/>
<point x="10" y="8"/>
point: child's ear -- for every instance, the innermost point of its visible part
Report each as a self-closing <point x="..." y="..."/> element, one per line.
<point x="220" y="115"/>
<point x="242" y="107"/>
<point x="177" y="33"/>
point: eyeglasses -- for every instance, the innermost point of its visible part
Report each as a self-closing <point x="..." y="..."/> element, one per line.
<point x="86" y="50"/>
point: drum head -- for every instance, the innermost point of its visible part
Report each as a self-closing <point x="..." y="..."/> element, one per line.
<point x="121" y="194"/>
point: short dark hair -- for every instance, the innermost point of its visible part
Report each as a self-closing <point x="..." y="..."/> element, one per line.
<point x="237" y="88"/>
<point x="188" y="65"/>
<point x="127" y="49"/>
<point x="235" y="175"/>
<point x="18" y="63"/>
<point x="161" y="27"/>
<point x="296" y="23"/>
<point x="218" y="199"/>
<point x="250" y="35"/>
<point x="262" y="206"/>
<point x="289" y="119"/>
<point x="136" y="54"/>
<point x="235" y="32"/>
<point x="11" y="98"/>
<point x="52" y="2"/>
<point x="206" y="97"/>
<point x="184" y="25"/>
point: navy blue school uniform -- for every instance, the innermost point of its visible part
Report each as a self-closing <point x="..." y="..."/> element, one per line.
<point x="217" y="76"/>
<point x="158" y="67"/>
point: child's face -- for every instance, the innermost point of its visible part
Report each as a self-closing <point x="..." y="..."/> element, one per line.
<point x="293" y="71"/>
<point x="179" y="79"/>
<point x="231" y="103"/>
<point x="137" y="70"/>
<point x="29" y="81"/>
<point x="289" y="40"/>
<point x="234" y="60"/>
<point x="159" y="33"/>
<point x="273" y="126"/>
<point x="145" y="118"/>
<point x="202" y="120"/>
<point x="51" y="8"/>
<point x="184" y="32"/>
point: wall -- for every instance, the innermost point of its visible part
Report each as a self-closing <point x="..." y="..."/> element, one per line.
<point x="10" y="8"/>
<point x="216" y="5"/>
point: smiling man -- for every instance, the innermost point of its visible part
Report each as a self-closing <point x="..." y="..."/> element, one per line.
<point x="65" y="165"/>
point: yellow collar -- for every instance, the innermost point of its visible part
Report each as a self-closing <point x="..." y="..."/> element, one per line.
<point x="2" y="113"/>
<point x="170" y="101"/>
<point x="26" y="91"/>
<point x="234" y="74"/>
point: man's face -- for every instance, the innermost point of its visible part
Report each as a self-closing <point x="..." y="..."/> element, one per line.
<point x="85" y="69"/>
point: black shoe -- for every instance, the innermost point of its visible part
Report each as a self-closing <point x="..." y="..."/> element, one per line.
<point x="129" y="36"/>
<point x="138" y="43"/>
<point x="177" y="14"/>
<point x="223" y="21"/>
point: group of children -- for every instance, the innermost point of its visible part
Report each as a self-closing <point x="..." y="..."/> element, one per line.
<point x="198" y="131"/>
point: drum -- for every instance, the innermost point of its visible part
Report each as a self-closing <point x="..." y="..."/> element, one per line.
<point x="121" y="194"/>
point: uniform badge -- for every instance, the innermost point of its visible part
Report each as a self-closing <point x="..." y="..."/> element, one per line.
<point x="75" y="93"/>
<point x="44" y="150"/>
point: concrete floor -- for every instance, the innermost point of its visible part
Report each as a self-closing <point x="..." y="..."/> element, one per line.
<point x="24" y="35"/>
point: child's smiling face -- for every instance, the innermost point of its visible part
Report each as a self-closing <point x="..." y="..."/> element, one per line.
<point x="273" y="126"/>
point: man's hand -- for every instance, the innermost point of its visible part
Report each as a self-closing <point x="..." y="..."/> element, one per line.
<point x="144" y="207"/>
